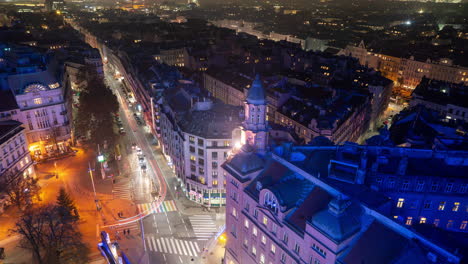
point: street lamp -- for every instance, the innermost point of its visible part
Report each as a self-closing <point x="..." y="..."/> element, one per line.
<point x="94" y="188"/>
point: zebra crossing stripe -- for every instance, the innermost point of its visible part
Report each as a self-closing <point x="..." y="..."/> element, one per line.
<point x="159" y="245"/>
<point x="168" y="245"/>
<point x="154" y="244"/>
<point x="164" y="246"/>
<point x="173" y="246"/>
<point x="188" y="248"/>
<point x="183" y="248"/>
<point x="149" y="244"/>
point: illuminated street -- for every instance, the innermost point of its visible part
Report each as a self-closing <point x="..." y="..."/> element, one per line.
<point x="168" y="223"/>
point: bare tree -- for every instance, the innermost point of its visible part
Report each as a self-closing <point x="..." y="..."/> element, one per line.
<point x="50" y="239"/>
<point x="20" y="190"/>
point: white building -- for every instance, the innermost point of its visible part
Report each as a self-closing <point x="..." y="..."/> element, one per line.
<point x="42" y="102"/>
<point x="15" y="160"/>
<point x="196" y="136"/>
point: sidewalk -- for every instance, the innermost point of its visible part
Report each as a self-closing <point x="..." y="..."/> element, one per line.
<point x="184" y="205"/>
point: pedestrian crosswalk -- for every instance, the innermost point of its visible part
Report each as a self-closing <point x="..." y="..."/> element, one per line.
<point x="122" y="189"/>
<point x="166" y="206"/>
<point x="203" y="226"/>
<point x="173" y="246"/>
<point x="118" y="230"/>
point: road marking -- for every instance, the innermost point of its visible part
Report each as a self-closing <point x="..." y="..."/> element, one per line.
<point x="149" y="243"/>
<point x="155" y="207"/>
<point x="159" y="245"/>
<point x="178" y="246"/>
<point x="203" y="226"/>
<point x="174" y="247"/>
<point x="164" y="245"/>
<point x="181" y="260"/>
<point x="183" y="248"/>
<point x="196" y="245"/>
<point x="168" y="245"/>
<point x="188" y="248"/>
<point x="193" y="249"/>
<point x="154" y="243"/>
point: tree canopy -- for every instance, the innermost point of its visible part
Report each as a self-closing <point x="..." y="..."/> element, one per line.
<point x="97" y="105"/>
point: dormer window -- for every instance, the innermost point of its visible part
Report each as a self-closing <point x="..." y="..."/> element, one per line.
<point x="270" y="202"/>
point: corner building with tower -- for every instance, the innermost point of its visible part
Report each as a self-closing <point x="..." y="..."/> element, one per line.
<point x="311" y="204"/>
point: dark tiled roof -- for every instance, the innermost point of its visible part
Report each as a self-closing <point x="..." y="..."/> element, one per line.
<point x="7" y="100"/>
<point x="378" y="244"/>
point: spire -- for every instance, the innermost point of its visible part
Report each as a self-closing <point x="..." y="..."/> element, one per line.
<point x="256" y="93"/>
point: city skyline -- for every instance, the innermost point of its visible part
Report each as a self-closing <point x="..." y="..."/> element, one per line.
<point x="272" y="132"/>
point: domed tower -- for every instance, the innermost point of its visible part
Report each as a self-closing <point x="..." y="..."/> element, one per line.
<point x="255" y="125"/>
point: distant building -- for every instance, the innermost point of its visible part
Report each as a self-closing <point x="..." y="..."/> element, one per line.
<point x="449" y="99"/>
<point x="407" y="72"/>
<point x="420" y="127"/>
<point x="319" y="204"/>
<point x="53" y="5"/>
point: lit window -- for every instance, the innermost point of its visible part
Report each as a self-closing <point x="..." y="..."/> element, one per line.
<point x="38" y="101"/>
<point x="246" y="242"/>
<point x="265" y="220"/>
<point x="263" y="240"/>
<point x="409" y="220"/>
<point x="273" y="247"/>
<point x="254" y="250"/>
<point x="463" y="225"/>
<point x="254" y="231"/>
<point x="441" y="206"/>
<point x="422" y="220"/>
<point x="234" y="212"/>
<point x="246" y="223"/>
<point x="262" y="259"/>
<point x="455" y="207"/>
<point x="400" y="203"/>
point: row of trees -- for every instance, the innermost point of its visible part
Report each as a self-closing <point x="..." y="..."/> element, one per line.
<point x="97" y="107"/>
<point x="50" y="232"/>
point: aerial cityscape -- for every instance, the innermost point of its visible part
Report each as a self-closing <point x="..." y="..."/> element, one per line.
<point x="233" y="132"/>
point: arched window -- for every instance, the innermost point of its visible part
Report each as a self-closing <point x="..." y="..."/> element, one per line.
<point x="34" y="87"/>
<point x="271" y="202"/>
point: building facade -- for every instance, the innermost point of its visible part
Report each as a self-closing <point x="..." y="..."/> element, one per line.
<point x="197" y="134"/>
<point x="448" y="99"/>
<point x="314" y="204"/>
<point x="43" y="102"/>
<point x="15" y="160"/>
<point x="408" y="72"/>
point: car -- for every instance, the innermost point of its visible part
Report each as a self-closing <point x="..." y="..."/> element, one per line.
<point x="143" y="168"/>
<point x="141" y="159"/>
<point x="121" y="130"/>
<point x="134" y="146"/>
<point x="139" y="151"/>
